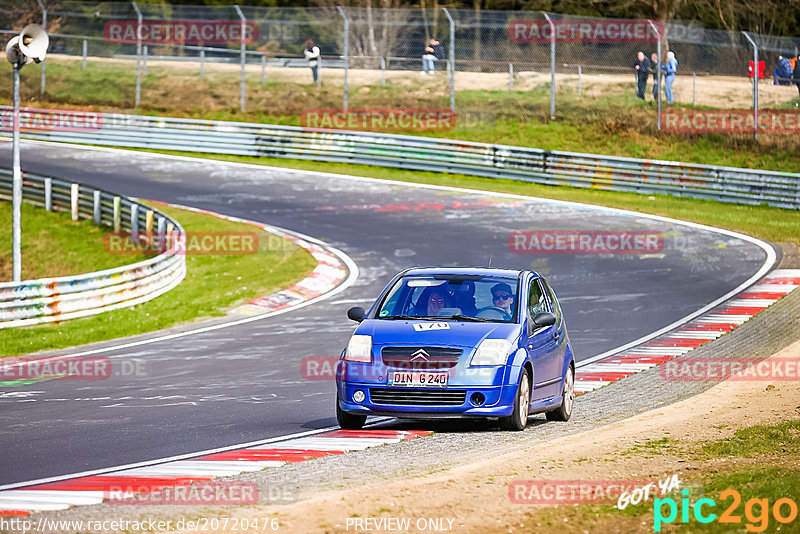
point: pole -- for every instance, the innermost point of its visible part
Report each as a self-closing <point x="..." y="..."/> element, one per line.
<point x="263" y="68"/>
<point x="694" y="88"/>
<point x="755" y="86"/>
<point x="44" y="61"/>
<point x="552" y="66"/>
<point x="346" y="54"/>
<point x="138" y="55"/>
<point x="452" y="59"/>
<point x="144" y="60"/>
<point x="383" y="72"/>
<point x="16" y="189"/>
<point x="658" y="75"/>
<point x="510" y="77"/>
<point x="580" y="77"/>
<point x="85" y="51"/>
<point x="202" y="60"/>
<point x="243" y="59"/>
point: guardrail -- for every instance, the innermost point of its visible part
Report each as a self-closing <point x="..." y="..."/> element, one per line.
<point x="726" y="184"/>
<point x="56" y="299"/>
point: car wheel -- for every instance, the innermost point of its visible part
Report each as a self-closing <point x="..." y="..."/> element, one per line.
<point x="348" y="420"/>
<point x="519" y="417"/>
<point x="563" y="412"/>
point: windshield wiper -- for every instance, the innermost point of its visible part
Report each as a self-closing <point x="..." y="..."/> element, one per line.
<point x="469" y="318"/>
<point x="406" y="317"/>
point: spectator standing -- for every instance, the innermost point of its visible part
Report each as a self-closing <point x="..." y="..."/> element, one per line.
<point x="433" y="51"/>
<point x="312" y="55"/>
<point x="796" y="75"/>
<point x="783" y="72"/>
<point x="642" y="68"/>
<point x="670" y="68"/>
<point x="654" y="72"/>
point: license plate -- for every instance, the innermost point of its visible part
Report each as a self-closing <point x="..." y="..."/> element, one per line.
<point x="418" y="379"/>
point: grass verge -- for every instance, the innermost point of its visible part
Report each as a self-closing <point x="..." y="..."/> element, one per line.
<point x="213" y="284"/>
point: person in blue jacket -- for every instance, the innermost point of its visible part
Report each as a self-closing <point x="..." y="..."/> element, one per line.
<point x="669" y="68"/>
<point x="783" y="72"/>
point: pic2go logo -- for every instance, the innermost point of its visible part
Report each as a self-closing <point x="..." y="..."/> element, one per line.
<point x="756" y="511"/>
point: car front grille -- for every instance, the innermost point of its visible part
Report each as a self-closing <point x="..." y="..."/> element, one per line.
<point x="418" y="397"/>
<point x="420" y="357"/>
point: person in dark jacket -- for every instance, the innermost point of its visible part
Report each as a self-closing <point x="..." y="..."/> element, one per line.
<point x="783" y="72"/>
<point x="642" y="68"/>
<point x="796" y="74"/>
<point x="433" y="52"/>
<point x="654" y="72"/>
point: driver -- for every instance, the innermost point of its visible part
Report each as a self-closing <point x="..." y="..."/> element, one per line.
<point x="503" y="298"/>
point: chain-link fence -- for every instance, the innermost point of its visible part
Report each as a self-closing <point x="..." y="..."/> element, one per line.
<point x="481" y="66"/>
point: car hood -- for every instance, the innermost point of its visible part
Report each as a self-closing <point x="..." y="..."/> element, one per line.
<point x="433" y="333"/>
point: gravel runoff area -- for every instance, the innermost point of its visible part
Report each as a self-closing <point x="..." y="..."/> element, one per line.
<point x="760" y="337"/>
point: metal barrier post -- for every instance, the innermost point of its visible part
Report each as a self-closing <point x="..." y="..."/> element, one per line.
<point x="16" y="189"/>
<point x="117" y="214"/>
<point x="755" y="85"/>
<point x="148" y="222"/>
<point x="138" y="55"/>
<point x="134" y="220"/>
<point x="44" y="61"/>
<point x="83" y="66"/>
<point x="202" y="60"/>
<point x="452" y="59"/>
<point x="74" y="197"/>
<point x="552" y="66"/>
<point x="243" y="59"/>
<point x="161" y="226"/>
<point x="97" y="208"/>
<point x="510" y="77"/>
<point x="694" y="88"/>
<point x="580" y="78"/>
<point x="48" y="194"/>
<point x="383" y="72"/>
<point x="346" y="53"/>
<point x="144" y="60"/>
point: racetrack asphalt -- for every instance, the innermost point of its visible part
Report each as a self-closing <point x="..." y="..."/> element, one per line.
<point x="244" y="383"/>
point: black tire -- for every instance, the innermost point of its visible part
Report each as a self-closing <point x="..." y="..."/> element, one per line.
<point x="349" y="421"/>
<point x="518" y="419"/>
<point x="563" y="412"/>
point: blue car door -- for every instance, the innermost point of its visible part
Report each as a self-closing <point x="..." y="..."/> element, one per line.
<point x="543" y="345"/>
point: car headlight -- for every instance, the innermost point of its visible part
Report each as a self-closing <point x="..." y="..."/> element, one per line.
<point x="491" y="352"/>
<point x="359" y="349"/>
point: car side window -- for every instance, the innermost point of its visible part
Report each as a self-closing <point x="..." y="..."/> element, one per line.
<point x="536" y="300"/>
<point x="553" y="301"/>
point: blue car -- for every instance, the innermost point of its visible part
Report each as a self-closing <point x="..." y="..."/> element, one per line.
<point x="458" y="342"/>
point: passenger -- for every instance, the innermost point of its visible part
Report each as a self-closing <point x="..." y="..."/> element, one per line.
<point x="503" y="298"/>
<point x="431" y="301"/>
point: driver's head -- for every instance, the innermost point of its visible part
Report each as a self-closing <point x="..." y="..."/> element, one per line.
<point x="502" y="296"/>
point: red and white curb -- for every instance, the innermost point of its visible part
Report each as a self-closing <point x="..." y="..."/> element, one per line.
<point x="697" y="332"/>
<point x="94" y="489"/>
<point x="329" y="273"/>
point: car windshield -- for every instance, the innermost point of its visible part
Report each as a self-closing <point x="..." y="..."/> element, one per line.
<point x="454" y="297"/>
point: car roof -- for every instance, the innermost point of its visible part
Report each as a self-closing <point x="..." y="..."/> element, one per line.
<point x="483" y="271"/>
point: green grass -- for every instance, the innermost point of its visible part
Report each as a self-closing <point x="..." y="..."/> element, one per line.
<point x="754" y="440"/>
<point x="213" y="284"/>
<point x="79" y="245"/>
<point x="765" y="222"/>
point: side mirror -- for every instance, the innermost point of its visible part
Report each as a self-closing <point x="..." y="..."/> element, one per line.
<point x="544" y="319"/>
<point x="357" y="314"/>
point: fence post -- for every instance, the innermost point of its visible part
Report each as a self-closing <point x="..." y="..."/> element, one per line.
<point x="319" y="71"/>
<point x="694" y="88"/>
<point x="658" y="74"/>
<point x="452" y="59"/>
<point x="242" y="59"/>
<point x="83" y="66"/>
<point x="144" y="60"/>
<point x="148" y="222"/>
<point x="510" y="77"/>
<point x="346" y="53"/>
<point x="138" y="54"/>
<point x="263" y="68"/>
<point x="44" y="61"/>
<point x="117" y="214"/>
<point x="74" y="197"/>
<point x="97" y="207"/>
<point x="134" y="220"/>
<point x="552" y="66"/>
<point x="48" y="194"/>
<point x="755" y="85"/>
<point x="580" y="78"/>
